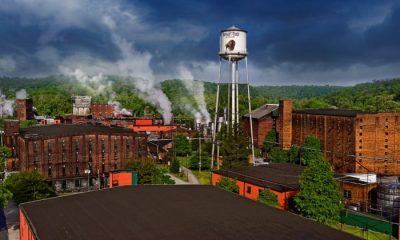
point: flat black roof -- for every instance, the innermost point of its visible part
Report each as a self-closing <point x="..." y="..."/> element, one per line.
<point x="277" y="176"/>
<point x="167" y="212"/>
<point x="70" y="130"/>
<point x="332" y="112"/>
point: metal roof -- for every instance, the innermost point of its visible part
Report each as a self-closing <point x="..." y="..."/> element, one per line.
<point x="277" y="176"/>
<point x="70" y="130"/>
<point x="263" y="111"/>
<point x="167" y="212"/>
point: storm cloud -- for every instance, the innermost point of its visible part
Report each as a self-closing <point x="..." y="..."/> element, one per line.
<point x="289" y="42"/>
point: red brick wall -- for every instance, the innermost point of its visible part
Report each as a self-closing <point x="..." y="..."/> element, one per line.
<point x="335" y="133"/>
<point x="285" y="124"/>
<point x="252" y="191"/>
<point x="377" y="143"/>
<point x="261" y="127"/>
<point x="101" y="111"/>
<point x="76" y="156"/>
<point x="25" y="232"/>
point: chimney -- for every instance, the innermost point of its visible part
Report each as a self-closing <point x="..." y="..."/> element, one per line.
<point x="24" y="108"/>
<point x="285" y="124"/>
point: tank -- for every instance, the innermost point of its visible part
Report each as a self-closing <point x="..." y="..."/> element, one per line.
<point x="388" y="200"/>
<point x="233" y="43"/>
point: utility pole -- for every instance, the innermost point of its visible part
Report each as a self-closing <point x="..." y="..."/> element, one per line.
<point x="200" y="153"/>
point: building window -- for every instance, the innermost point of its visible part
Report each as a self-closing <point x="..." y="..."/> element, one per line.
<point x="77" y="150"/>
<point x="248" y="190"/>
<point x="103" y="168"/>
<point x="386" y="146"/>
<point x="76" y="170"/>
<point x="347" y="194"/>
<point x="90" y="150"/>
<point x="63" y="170"/>
<point x="115" y="151"/>
<point x="103" y="150"/>
<point x="49" y="172"/>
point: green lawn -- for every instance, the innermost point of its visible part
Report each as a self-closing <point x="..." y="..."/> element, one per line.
<point x="204" y="176"/>
<point x="370" y="235"/>
<point x="181" y="176"/>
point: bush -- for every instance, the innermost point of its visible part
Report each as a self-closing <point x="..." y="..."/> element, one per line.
<point x="175" y="166"/>
<point x="278" y="155"/>
<point x="228" y="184"/>
<point x="149" y="172"/>
<point x="28" y="186"/>
<point x="195" y="159"/>
<point x="267" y="197"/>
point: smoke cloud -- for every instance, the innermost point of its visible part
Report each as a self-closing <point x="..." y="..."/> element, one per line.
<point x="6" y="106"/>
<point x="195" y="89"/>
<point x="21" y="94"/>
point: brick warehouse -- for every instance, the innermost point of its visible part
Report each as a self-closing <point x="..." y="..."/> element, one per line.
<point x="62" y="153"/>
<point x="354" y="141"/>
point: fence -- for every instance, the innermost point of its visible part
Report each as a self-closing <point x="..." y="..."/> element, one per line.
<point x="369" y="227"/>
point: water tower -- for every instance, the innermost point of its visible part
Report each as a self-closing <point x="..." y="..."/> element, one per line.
<point x="233" y="48"/>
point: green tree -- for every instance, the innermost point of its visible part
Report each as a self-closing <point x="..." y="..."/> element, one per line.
<point x="5" y="153"/>
<point x="195" y="159"/>
<point x="267" y="197"/>
<point x="319" y="198"/>
<point x="27" y="123"/>
<point x="278" y="155"/>
<point x="182" y="145"/>
<point x="234" y="148"/>
<point x="28" y="186"/>
<point x="310" y="150"/>
<point x="228" y="184"/>
<point x="175" y="166"/>
<point x="270" y="140"/>
<point x="148" y="172"/>
<point x="5" y="196"/>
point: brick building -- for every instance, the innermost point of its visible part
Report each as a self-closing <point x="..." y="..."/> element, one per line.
<point x="282" y="179"/>
<point x="24" y="109"/>
<point x="263" y="120"/>
<point x="353" y="140"/>
<point x="62" y="153"/>
<point x="101" y="111"/>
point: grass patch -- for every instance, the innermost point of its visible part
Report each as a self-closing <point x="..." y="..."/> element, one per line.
<point x="370" y="235"/>
<point x="204" y="176"/>
<point x="184" y="161"/>
<point x="181" y="176"/>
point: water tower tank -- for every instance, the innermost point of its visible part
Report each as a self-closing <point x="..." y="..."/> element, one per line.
<point x="233" y="43"/>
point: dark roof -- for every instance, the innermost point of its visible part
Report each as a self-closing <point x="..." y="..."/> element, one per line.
<point x="277" y="176"/>
<point x="167" y="212"/>
<point x="69" y="130"/>
<point x="161" y="142"/>
<point x="332" y="112"/>
<point x="262" y="111"/>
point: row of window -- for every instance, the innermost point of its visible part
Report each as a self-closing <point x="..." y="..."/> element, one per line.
<point x="77" y="169"/>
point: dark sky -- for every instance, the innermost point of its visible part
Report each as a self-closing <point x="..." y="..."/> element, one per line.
<point x="289" y="41"/>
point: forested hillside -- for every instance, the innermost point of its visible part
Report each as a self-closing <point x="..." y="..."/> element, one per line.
<point x="51" y="95"/>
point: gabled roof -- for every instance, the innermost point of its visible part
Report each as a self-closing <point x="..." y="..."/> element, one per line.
<point x="263" y="111"/>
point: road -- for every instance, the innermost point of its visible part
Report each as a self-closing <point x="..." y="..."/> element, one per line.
<point x="191" y="177"/>
<point x="9" y="222"/>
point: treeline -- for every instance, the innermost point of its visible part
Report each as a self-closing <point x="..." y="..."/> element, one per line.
<point x="51" y="95"/>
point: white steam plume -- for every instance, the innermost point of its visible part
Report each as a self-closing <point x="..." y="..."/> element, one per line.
<point x="21" y="94"/>
<point x="117" y="107"/>
<point x="195" y="89"/>
<point x="6" y="106"/>
<point x="131" y="60"/>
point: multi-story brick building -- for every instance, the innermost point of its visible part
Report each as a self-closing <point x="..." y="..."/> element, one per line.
<point x="353" y="140"/>
<point x="62" y="153"/>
